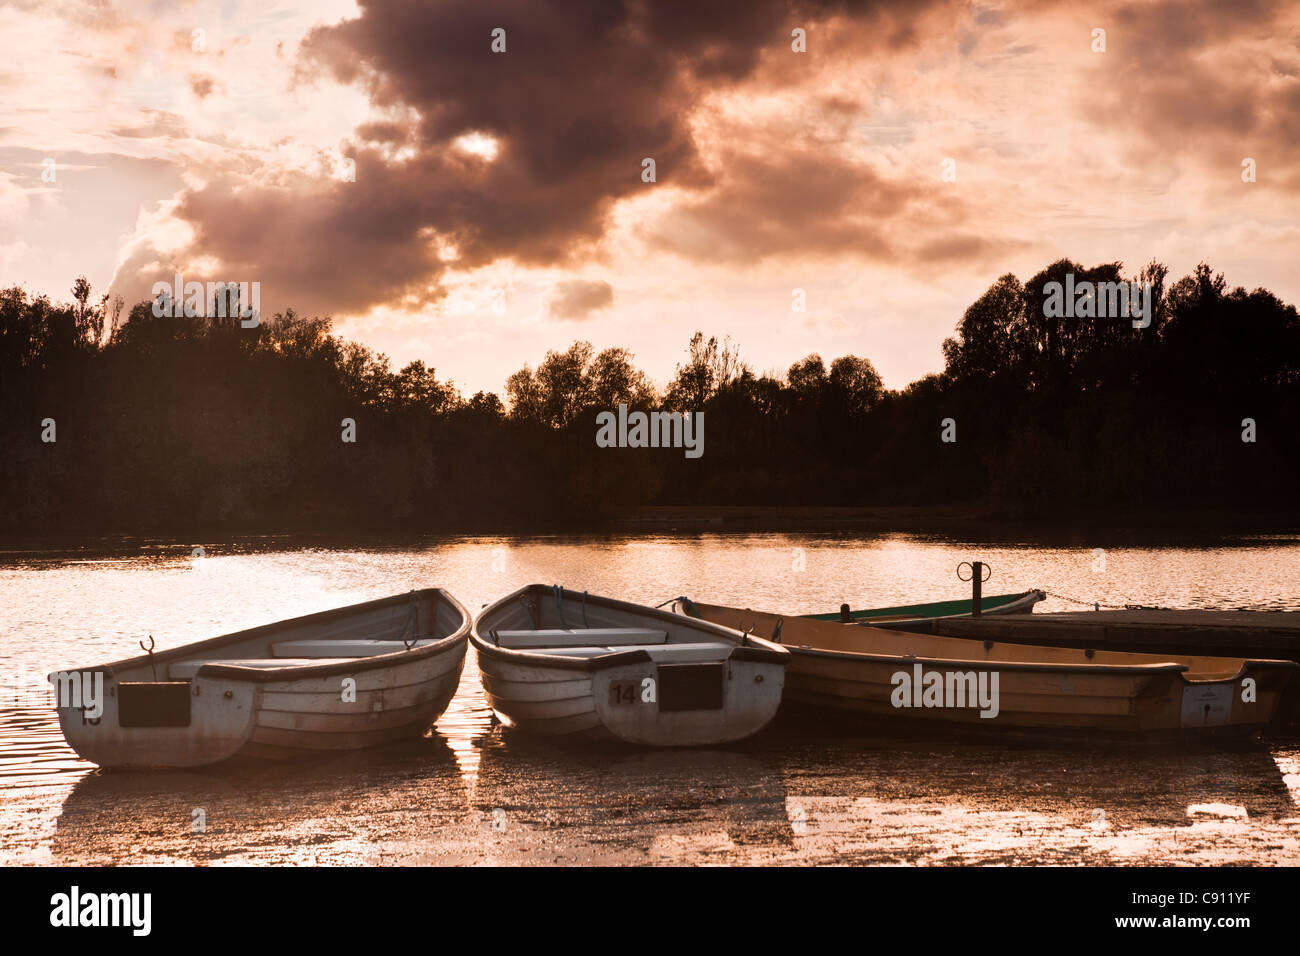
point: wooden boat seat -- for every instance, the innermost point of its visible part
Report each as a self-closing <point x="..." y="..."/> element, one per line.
<point x="675" y="652"/>
<point x="580" y="637"/>
<point x="185" y="670"/>
<point x="341" y="648"/>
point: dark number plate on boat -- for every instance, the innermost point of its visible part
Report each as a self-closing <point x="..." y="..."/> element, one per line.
<point x="624" y="691"/>
<point x="161" y="704"/>
<point x="691" y="687"/>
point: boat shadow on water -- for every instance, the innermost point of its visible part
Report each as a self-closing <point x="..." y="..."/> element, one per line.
<point x="1140" y="782"/>
<point x="615" y="803"/>
<point x="299" y="810"/>
<point x="796" y="793"/>
<point x="805" y="721"/>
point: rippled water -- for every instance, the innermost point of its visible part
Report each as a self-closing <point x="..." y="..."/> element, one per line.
<point x="62" y="610"/>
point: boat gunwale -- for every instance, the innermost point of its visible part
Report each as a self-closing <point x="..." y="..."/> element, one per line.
<point x="263" y="675"/>
<point x="1247" y="663"/>
<point x="804" y="650"/>
<point x="743" y="648"/>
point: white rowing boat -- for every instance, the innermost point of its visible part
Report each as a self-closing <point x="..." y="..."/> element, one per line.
<point x="557" y="662"/>
<point x="344" y="679"/>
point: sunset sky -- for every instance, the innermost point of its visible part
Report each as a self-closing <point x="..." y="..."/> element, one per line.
<point x="498" y="208"/>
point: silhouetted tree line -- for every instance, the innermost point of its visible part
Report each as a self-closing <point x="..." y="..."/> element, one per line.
<point x="164" y="424"/>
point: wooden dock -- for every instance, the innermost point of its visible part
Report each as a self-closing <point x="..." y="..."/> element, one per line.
<point x="1263" y="634"/>
<point x="1228" y="633"/>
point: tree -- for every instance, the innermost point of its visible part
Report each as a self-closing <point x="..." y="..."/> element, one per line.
<point x="525" y="395"/>
<point x="992" y="336"/>
<point x="807" y="378"/>
<point x="419" y="388"/>
<point x="855" y="384"/>
<point x="709" y="368"/>
<point x="613" y="379"/>
<point x="486" y="405"/>
<point x="575" y="381"/>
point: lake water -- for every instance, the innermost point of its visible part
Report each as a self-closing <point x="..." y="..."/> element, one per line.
<point x="469" y="793"/>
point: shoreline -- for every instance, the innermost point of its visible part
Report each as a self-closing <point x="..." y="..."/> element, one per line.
<point x="965" y="522"/>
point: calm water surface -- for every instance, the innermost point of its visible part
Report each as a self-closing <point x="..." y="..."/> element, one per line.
<point x="471" y="794"/>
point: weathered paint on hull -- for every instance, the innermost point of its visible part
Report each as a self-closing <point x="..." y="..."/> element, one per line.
<point x="274" y="719"/>
<point x="852" y="668"/>
<point x="1027" y="700"/>
<point x="549" y="702"/>
<point x="391" y="714"/>
<point x="574" y="699"/>
<point x="241" y="697"/>
<point x="222" y="719"/>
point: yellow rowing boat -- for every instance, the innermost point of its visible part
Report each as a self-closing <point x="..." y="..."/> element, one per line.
<point x="897" y="674"/>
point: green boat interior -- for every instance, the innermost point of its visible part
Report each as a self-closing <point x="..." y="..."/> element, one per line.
<point x="907" y="612"/>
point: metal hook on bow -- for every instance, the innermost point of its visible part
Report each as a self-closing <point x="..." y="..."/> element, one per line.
<point x="149" y="650"/>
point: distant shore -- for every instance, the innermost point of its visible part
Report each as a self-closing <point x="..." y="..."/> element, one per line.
<point x="967" y="522"/>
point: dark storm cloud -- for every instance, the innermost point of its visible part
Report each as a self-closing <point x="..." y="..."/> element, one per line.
<point x="585" y="92"/>
<point x="1179" y="77"/>
<point x="774" y="203"/>
<point x="806" y="202"/>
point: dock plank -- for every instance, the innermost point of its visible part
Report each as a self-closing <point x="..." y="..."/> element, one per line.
<point x="1271" y="635"/>
<point x="1232" y="631"/>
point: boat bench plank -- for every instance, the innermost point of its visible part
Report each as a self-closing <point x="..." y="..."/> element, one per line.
<point x="318" y="649"/>
<point x="673" y="652"/>
<point x="185" y="670"/>
<point x="581" y="637"/>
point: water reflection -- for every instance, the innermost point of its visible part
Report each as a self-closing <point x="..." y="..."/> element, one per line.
<point x="466" y="720"/>
<point x="788" y="796"/>
<point x="33" y="749"/>
<point x="340" y="809"/>
<point x="612" y="804"/>
<point x="908" y="801"/>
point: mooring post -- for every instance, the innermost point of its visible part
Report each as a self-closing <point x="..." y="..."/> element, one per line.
<point x="976" y="586"/>
<point x="845" y="616"/>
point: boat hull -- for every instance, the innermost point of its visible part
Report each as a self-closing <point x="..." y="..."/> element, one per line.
<point x="624" y="696"/>
<point x="227" y="712"/>
<point x="1137" y="702"/>
<point x="1037" y="689"/>
<point x="552" y="702"/>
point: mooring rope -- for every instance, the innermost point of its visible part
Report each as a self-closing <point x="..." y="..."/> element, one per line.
<point x="559" y="607"/>
<point x="412" y="616"/>
<point x="1097" y="605"/>
<point x="528" y="609"/>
